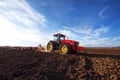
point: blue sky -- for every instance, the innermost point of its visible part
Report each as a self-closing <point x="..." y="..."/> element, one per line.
<point x="94" y="23"/>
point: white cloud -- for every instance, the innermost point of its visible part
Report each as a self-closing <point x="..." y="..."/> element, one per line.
<point x="20" y="25"/>
<point x="89" y="31"/>
<point x="102" y="42"/>
<point x="102" y="11"/>
<point x="19" y="11"/>
<point x="83" y="30"/>
<point x="11" y="34"/>
<point x="68" y="33"/>
<point x="100" y="31"/>
<point x="94" y="37"/>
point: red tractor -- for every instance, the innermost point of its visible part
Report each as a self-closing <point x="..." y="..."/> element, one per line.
<point x="64" y="45"/>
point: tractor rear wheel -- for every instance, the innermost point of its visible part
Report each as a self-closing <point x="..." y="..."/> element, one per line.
<point x="51" y="46"/>
<point x="65" y="49"/>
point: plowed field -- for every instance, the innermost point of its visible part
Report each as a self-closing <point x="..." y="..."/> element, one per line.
<point x="29" y="64"/>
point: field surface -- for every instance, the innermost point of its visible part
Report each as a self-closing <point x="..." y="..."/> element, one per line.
<point x="18" y="63"/>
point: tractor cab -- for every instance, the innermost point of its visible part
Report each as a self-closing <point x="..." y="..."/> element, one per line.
<point x="58" y="37"/>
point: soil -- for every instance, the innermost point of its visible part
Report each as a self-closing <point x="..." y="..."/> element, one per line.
<point x="28" y="64"/>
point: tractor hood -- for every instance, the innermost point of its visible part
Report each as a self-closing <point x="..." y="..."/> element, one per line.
<point x="74" y="44"/>
<point x="66" y="40"/>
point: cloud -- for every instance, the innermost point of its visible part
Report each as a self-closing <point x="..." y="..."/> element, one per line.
<point x="20" y="25"/>
<point x="91" y="37"/>
<point x="88" y="31"/>
<point x="83" y="30"/>
<point x="68" y="33"/>
<point x="102" y="42"/>
<point x="21" y="12"/>
<point x="103" y="11"/>
<point x="14" y="35"/>
<point x="100" y="31"/>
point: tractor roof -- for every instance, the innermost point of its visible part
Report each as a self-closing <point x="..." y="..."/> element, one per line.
<point x="59" y="34"/>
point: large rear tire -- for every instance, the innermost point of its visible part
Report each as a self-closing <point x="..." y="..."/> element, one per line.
<point x="51" y="46"/>
<point x="65" y="49"/>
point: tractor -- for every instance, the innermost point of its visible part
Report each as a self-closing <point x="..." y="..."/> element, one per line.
<point x="64" y="45"/>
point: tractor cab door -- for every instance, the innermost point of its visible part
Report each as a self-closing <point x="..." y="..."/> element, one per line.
<point x="56" y="38"/>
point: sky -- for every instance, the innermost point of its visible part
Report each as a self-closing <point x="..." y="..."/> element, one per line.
<point x="94" y="23"/>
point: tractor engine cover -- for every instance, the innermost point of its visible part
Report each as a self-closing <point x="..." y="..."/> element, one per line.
<point x="74" y="44"/>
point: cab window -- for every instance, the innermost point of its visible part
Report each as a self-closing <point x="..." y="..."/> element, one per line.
<point x="62" y="38"/>
<point x="55" y="38"/>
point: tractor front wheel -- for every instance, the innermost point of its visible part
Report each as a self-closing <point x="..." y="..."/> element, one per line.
<point x="51" y="46"/>
<point x="65" y="49"/>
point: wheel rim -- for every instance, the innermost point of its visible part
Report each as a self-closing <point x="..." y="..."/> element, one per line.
<point x="64" y="49"/>
<point x="49" y="47"/>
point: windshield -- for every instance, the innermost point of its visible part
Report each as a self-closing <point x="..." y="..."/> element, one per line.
<point x="62" y="38"/>
<point x="58" y="39"/>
